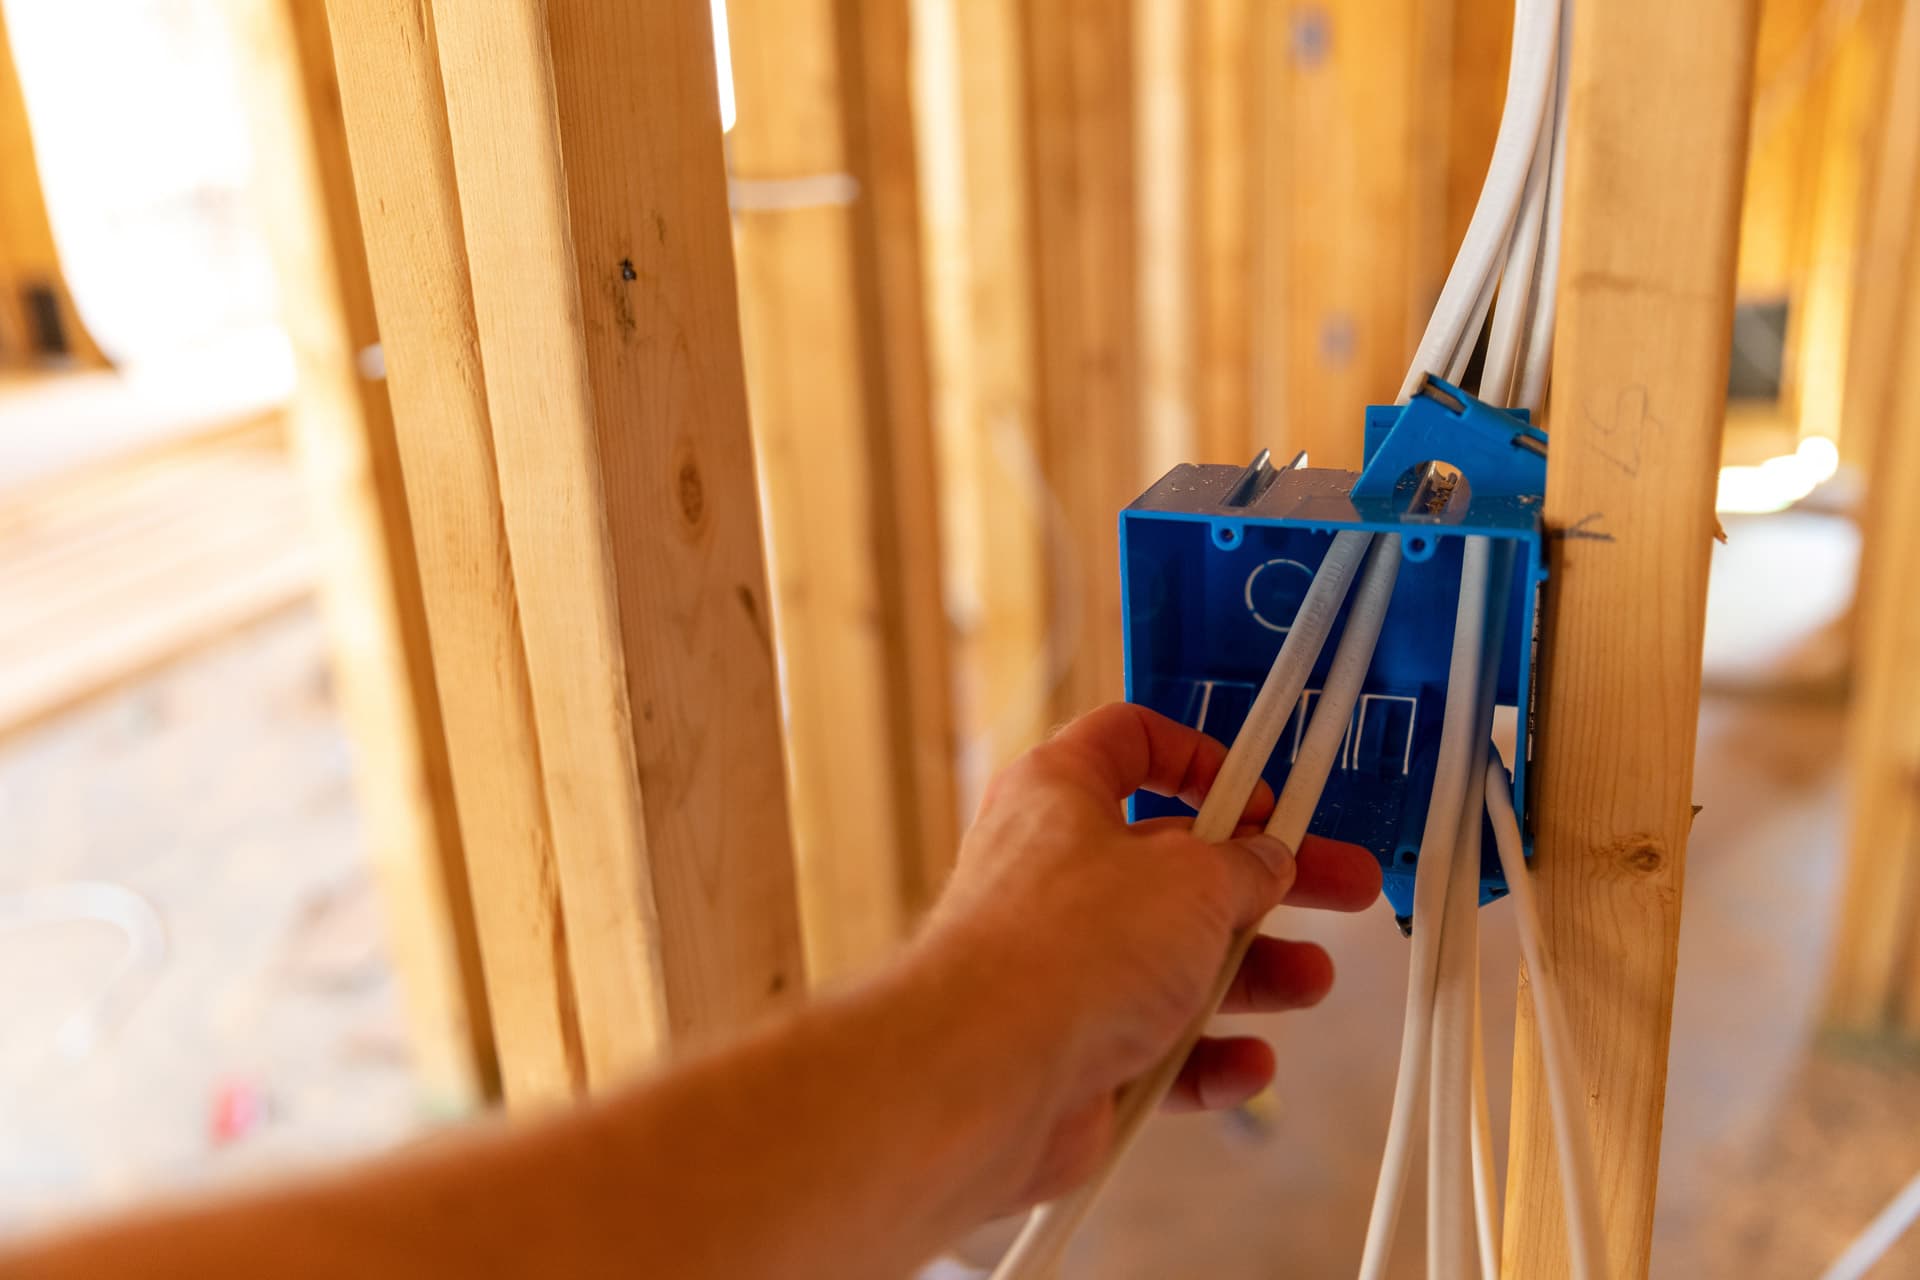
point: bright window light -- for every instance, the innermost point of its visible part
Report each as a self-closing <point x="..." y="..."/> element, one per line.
<point x="723" y="58"/>
<point x="1777" y="483"/>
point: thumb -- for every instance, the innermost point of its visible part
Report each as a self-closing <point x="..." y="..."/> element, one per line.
<point x="1270" y="862"/>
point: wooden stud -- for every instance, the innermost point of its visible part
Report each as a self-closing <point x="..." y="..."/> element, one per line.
<point x="827" y="235"/>
<point x="1886" y="245"/>
<point x="38" y="322"/>
<point x="1224" y="61"/>
<point x="876" y="46"/>
<point x="586" y="143"/>
<point x="1480" y="48"/>
<point x="1659" y="103"/>
<point x="342" y="429"/>
<point x="396" y="120"/>
<point x="970" y="97"/>
<point x="1080" y="117"/>
<point x="1362" y="169"/>
<point x="1874" y="986"/>
<point x="1168" y="154"/>
<point x="1849" y="92"/>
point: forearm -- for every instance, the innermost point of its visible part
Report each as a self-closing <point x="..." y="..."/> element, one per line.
<point x="852" y="1140"/>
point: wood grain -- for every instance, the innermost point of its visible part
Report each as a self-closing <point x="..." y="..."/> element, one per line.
<point x="1849" y="94"/>
<point x="1167" y="172"/>
<point x="638" y="114"/>
<point x="1080" y="114"/>
<point x="1874" y="986"/>
<point x="970" y="92"/>
<point x="836" y="362"/>
<point x="342" y="429"/>
<point x="403" y="167"/>
<point x="1224" y="78"/>
<point x="1363" y="169"/>
<point x="1659" y="103"/>
<point x="876" y="47"/>
<point x="1887" y="241"/>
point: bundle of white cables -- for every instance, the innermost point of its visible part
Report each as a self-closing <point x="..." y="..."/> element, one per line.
<point x="1510" y="251"/>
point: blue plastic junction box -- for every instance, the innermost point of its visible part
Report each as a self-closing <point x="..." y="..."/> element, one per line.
<point x="1214" y="561"/>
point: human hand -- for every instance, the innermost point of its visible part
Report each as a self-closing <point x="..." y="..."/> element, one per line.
<point x="1109" y="936"/>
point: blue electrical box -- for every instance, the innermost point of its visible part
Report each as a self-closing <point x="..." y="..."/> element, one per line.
<point x="1214" y="561"/>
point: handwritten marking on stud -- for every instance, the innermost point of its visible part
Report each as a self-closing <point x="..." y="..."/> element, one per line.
<point x="1619" y="432"/>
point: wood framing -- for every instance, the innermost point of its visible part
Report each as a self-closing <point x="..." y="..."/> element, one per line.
<point x="1166" y="170"/>
<point x="1659" y="103"/>
<point x="1224" y="60"/>
<point x="1850" y="93"/>
<point x="1078" y="60"/>
<point x="403" y="166"/>
<point x="38" y="322"/>
<point x="828" y="229"/>
<point x="1874" y="987"/>
<point x="342" y="430"/>
<point x="1360" y="165"/>
<point x="970" y="121"/>
<point x="876" y="47"/>
<point x="586" y="146"/>
<point x="1887" y="241"/>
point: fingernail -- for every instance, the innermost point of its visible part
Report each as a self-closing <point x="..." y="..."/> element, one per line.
<point x="1274" y="853"/>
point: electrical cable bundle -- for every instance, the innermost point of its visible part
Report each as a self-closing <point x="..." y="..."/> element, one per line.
<point x="1509" y="253"/>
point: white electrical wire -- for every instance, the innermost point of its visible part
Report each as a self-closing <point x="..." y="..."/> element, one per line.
<point x="1431" y="876"/>
<point x="1586" y="1246"/>
<point x="1511" y="316"/>
<point x="1048" y="1229"/>
<point x="1486" y="1179"/>
<point x="1536" y="37"/>
<point x="1880" y="1236"/>
<point x="1333" y="712"/>
<point x="1463" y="354"/>
<point x="1531" y="393"/>
<point x="1458" y="1205"/>
<point x="1452" y="1246"/>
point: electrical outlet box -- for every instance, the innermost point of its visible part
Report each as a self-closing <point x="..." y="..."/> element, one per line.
<point x="1214" y="562"/>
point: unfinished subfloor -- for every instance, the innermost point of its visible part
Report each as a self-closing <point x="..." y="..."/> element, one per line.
<point x="267" y="1032"/>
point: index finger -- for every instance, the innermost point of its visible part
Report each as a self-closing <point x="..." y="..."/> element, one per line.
<point x="1123" y="747"/>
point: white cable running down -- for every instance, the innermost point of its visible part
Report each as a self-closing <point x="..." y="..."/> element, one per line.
<point x="1431" y="876"/>
<point x="1486" y="1182"/>
<point x="1456" y="1200"/>
<point x="1452" y="1246"/>
<point x="1531" y="393"/>
<point x="1517" y="278"/>
<point x="1048" y="1229"/>
<point x="1586" y="1245"/>
<point x="1536" y="36"/>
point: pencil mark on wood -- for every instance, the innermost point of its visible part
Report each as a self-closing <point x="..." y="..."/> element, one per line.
<point x="1618" y="432"/>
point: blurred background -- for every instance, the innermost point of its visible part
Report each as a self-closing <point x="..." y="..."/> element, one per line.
<point x="226" y="932"/>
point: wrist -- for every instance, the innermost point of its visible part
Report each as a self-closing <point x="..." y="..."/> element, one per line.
<point x="998" y="1036"/>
